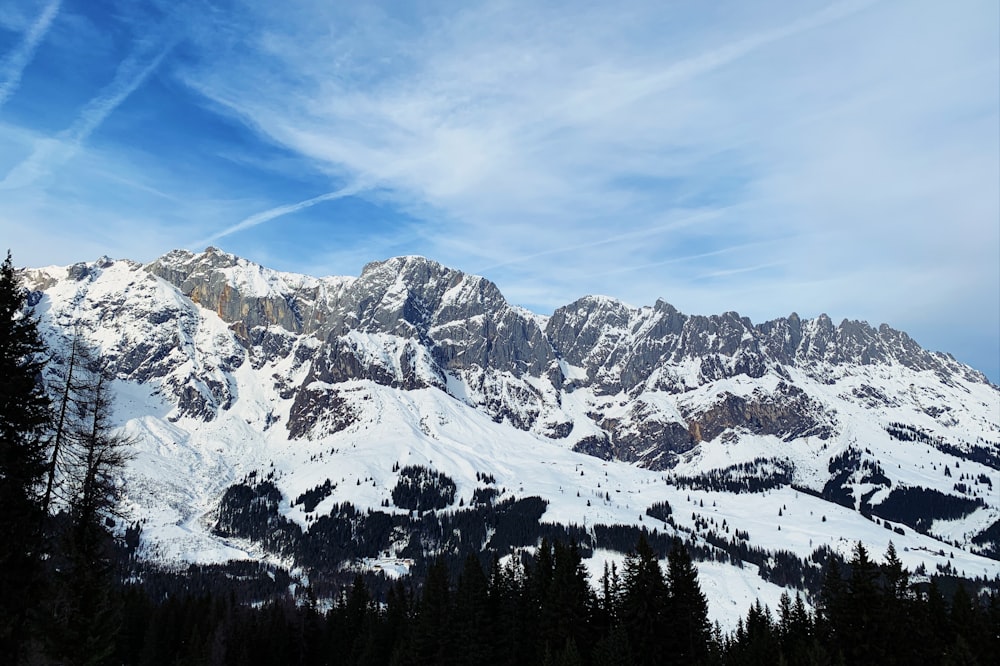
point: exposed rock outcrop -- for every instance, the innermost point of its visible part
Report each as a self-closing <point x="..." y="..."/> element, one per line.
<point x="410" y="323"/>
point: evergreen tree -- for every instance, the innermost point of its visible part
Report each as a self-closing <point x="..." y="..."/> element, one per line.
<point x="761" y="643"/>
<point x="85" y="613"/>
<point x="24" y="415"/>
<point x="936" y="632"/>
<point x="565" y="610"/>
<point x="691" y="632"/>
<point x="356" y="620"/>
<point x="862" y="621"/>
<point x="897" y="613"/>
<point x="607" y="606"/>
<point x="644" y="605"/>
<point x="897" y="578"/>
<point x="392" y="629"/>
<point x="613" y="648"/>
<point x="965" y="621"/>
<point x="797" y="635"/>
<point x="511" y="606"/>
<point x="830" y="607"/>
<point x="471" y="627"/>
<point x="429" y="641"/>
<point x="69" y="409"/>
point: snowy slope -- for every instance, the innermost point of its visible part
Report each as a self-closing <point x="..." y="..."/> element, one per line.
<point x="224" y="368"/>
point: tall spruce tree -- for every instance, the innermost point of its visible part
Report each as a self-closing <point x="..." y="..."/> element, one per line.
<point x="566" y="609"/>
<point x="862" y="622"/>
<point x="644" y="605"/>
<point x="24" y="415"/>
<point x="430" y="640"/>
<point x="688" y="608"/>
<point x="472" y="631"/>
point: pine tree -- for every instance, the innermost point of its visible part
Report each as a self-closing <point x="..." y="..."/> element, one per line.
<point x="471" y="630"/>
<point x="69" y="408"/>
<point x="761" y="643"/>
<point x="936" y="634"/>
<point x="513" y="612"/>
<point x="607" y="606"/>
<point x="830" y="608"/>
<point x="897" y="578"/>
<point x="85" y="612"/>
<point x="430" y="626"/>
<point x="392" y="629"/>
<point x="644" y="605"/>
<point x="862" y="626"/>
<point x="897" y="611"/>
<point x="688" y="608"/>
<point x="356" y="611"/>
<point x="566" y="609"/>
<point x="801" y="639"/>
<point x="24" y="415"/>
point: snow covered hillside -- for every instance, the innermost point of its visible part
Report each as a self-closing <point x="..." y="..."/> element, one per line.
<point x="245" y="387"/>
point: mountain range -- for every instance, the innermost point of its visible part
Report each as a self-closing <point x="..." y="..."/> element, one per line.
<point x="282" y="417"/>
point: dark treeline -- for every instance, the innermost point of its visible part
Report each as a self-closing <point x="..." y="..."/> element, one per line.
<point x="541" y="609"/>
<point x="757" y="476"/>
<point x="872" y="613"/>
<point x="987" y="454"/>
<point x="536" y="609"/>
<point x="488" y="526"/>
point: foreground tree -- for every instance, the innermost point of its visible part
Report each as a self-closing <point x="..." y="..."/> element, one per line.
<point x="69" y="410"/>
<point x="691" y="639"/>
<point x="24" y="415"/>
<point x="644" y="605"/>
<point x="85" y="615"/>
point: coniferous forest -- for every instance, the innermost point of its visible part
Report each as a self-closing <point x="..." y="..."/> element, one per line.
<point x="72" y="590"/>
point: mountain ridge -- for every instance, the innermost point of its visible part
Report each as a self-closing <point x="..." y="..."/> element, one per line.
<point x="224" y="368"/>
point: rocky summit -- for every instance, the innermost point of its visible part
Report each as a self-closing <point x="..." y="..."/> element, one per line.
<point x="227" y="371"/>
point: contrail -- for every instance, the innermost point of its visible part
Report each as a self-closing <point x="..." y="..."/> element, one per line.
<point x="616" y="238"/>
<point x="131" y="74"/>
<point x="737" y="271"/>
<point x="12" y="67"/>
<point x="707" y="62"/>
<point x="278" y="211"/>
<point x="723" y="56"/>
<point x="682" y="259"/>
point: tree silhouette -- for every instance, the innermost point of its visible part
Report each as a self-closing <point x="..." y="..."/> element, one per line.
<point x="24" y="415"/>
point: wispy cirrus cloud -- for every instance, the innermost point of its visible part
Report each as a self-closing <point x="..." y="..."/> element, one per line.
<point x="279" y="211"/>
<point x="540" y="142"/>
<point x="764" y="157"/>
<point x="50" y="152"/>
<point x="485" y="123"/>
<point x="13" y="64"/>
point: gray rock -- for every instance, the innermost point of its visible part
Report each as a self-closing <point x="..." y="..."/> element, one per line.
<point x="411" y="323"/>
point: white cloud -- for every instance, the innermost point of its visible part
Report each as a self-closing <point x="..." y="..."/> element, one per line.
<point x="844" y="152"/>
<point x="50" y="152"/>
<point x="279" y="211"/>
<point x="763" y="157"/>
<point x="13" y="64"/>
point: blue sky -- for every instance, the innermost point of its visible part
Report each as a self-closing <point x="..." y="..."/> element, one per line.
<point x="764" y="156"/>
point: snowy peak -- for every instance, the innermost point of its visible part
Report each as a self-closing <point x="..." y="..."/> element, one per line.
<point x="412" y="323"/>
<point x="225" y="367"/>
<point x="407" y="295"/>
<point x="247" y="295"/>
<point x="817" y="342"/>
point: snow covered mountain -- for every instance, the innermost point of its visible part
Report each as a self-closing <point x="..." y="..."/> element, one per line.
<point x="302" y="394"/>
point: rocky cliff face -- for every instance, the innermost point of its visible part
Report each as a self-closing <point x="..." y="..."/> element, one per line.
<point x="227" y="370"/>
<point x="645" y="385"/>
